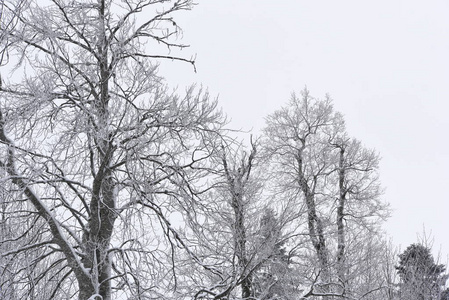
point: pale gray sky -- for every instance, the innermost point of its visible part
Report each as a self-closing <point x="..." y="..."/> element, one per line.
<point x="385" y="64"/>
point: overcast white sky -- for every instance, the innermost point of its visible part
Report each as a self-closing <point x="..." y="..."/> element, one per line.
<point x="385" y="64"/>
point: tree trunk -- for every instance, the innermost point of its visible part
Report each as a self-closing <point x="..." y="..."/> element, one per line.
<point x="101" y="223"/>
<point x="240" y="245"/>
<point x="340" y="216"/>
<point x="237" y="181"/>
<point x="316" y="231"/>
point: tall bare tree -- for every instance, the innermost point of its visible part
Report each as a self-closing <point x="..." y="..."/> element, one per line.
<point x="98" y="149"/>
<point x="358" y="205"/>
<point x="300" y="154"/>
<point x="237" y="237"/>
<point x="237" y="178"/>
<point x="335" y="181"/>
<point x="222" y="228"/>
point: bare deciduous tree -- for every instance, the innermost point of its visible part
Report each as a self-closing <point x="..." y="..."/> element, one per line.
<point x="300" y="155"/>
<point x="335" y="181"/>
<point x="237" y="235"/>
<point x="97" y="148"/>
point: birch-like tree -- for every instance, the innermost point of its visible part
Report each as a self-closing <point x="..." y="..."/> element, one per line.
<point x="335" y="182"/>
<point x="296" y="140"/>
<point x="99" y="152"/>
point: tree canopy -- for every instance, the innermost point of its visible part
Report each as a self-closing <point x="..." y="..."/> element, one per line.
<point x="115" y="186"/>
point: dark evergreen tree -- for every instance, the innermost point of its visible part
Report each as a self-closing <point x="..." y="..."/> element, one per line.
<point x="421" y="278"/>
<point x="273" y="279"/>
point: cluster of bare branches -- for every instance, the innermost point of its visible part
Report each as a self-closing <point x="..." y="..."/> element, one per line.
<point x="96" y="149"/>
<point x="296" y="215"/>
<point x="114" y="187"/>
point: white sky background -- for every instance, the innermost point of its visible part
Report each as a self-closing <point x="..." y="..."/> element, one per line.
<point x="385" y="64"/>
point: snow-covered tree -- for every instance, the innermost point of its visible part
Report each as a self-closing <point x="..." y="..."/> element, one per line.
<point x="236" y="242"/>
<point x="332" y="181"/>
<point x="98" y="150"/>
<point x="421" y="277"/>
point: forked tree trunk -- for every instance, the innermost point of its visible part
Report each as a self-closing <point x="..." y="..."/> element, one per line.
<point x="237" y="181"/>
